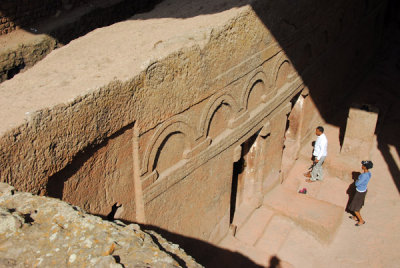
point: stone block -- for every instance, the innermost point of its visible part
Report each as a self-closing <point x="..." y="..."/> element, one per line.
<point x="360" y="131"/>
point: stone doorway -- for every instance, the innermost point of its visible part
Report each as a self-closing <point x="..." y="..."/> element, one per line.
<point x="246" y="182"/>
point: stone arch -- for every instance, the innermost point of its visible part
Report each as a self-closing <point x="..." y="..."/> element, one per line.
<point x="219" y="120"/>
<point x="258" y="77"/>
<point x="176" y="125"/>
<point x="282" y="72"/>
<point x="170" y="151"/>
<point x="211" y="107"/>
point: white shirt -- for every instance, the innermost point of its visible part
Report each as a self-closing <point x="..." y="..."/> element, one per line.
<point x="321" y="146"/>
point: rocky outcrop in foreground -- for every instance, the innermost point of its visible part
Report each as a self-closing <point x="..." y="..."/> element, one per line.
<point x="39" y="231"/>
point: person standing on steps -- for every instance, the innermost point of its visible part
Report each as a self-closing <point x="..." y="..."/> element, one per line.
<point x="361" y="191"/>
<point x="319" y="154"/>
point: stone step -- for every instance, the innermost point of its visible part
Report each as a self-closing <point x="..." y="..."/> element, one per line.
<point x="300" y="247"/>
<point x="334" y="191"/>
<point x="342" y="167"/>
<point x="255" y="226"/>
<point x="317" y="217"/>
<point x="233" y="244"/>
<point x="295" y="176"/>
<point x="242" y="215"/>
<point x="331" y="189"/>
<point x="297" y="181"/>
<point x="230" y="243"/>
<point x="259" y="257"/>
<point x="275" y="234"/>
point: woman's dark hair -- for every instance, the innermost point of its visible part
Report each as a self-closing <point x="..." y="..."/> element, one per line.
<point x="368" y="164"/>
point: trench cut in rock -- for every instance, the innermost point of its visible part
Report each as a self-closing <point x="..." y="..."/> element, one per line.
<point x="191" y="117"/>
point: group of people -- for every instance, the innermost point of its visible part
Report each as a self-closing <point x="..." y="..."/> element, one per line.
<point x="316" y="174"/>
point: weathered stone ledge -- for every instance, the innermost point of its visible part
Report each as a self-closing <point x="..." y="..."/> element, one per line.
<point x="46" y="232"/>
<point x="25" y="47"/>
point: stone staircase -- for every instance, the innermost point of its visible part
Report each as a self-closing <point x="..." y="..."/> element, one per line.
<point x="286" y="215"/>
<point x="261" y="237"/>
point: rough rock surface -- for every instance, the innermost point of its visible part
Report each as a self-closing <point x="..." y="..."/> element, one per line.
<point x="14" y="57"/>
<point x="46" y="232"/>
<point x="55" y="26"/>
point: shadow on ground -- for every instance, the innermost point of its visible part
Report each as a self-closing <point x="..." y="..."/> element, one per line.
<point x="204" y="253"/>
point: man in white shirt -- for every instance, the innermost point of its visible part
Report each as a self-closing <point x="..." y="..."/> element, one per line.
<point x="320" y="152"/>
